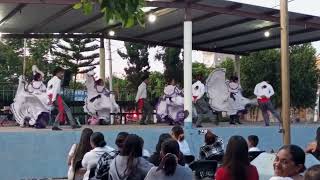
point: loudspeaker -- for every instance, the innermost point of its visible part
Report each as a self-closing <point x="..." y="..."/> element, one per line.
<point x="67" y="78"/>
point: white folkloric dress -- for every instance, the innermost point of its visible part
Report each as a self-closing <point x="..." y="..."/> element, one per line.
<point x="219" y="93"/>
<point x="99" y="101"/>
<point x="171" y="104"/>
<point x="30" y="101"/>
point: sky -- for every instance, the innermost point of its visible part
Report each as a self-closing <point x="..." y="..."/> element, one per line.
<point x="311" y="7"/>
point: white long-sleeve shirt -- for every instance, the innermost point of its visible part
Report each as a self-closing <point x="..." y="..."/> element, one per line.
<point x="142" y="92"/>
<point x="260" y="91"/>
<point x="91" y="158"/>
<point x="54" y="87"/>
<point x="200" y="91"/>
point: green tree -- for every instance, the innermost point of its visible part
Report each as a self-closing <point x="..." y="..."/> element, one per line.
<point x="138" y="63"/>
<point x="200" y="69"/>
<point x="259" y="66"/>
<point x="10" y="63"/>
<point x="156" y="84"/>
<point x="77" y="55"/>
<point x="266" y="65"/>
<point x="128" y="12"/>
<point x="173" y="64"/>
<point x="304" y="76"/>
<point x="228" y="64"/>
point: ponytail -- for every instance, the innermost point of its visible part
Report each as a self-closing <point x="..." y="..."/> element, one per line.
<point x="168" y="164"/>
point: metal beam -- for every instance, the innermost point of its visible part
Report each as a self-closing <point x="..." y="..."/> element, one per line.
<point x="17" y="9"/>
<point x="313" y="39"/>
<point x="265" y="17"/>
<point x="163" y="4"/>
<point x="214" y="28"/>
<point x="293" y="33"/>
<point x="177" y="25"/>
<point x="99" y="35"/>
<point x="50" y="19"/>
<point x="245" y="33"/>
<point x="194" y="20"/>
<point x="119" y="24"/>
<point x="83" y="23"/>
<point x="66" y="2"/>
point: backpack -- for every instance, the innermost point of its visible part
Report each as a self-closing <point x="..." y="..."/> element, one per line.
<point x="103" y="166"/>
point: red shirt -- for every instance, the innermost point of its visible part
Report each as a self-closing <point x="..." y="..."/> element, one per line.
<point x="223" y="174"/>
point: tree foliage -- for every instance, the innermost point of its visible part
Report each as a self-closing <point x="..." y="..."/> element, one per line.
<point x="10" y="63"/>
<point x="228" y="64"/>
<point x="266" y="65"/>
<point x="128" y="12"/>
<point x="156" y="84"/>
<point x="200" y="69"/>
<point x="77" y="55"/>
<point x="137" y="56"/>
<point x="173" y="64"/>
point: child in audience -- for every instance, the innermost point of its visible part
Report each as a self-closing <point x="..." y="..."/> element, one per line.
<point x="253" y="141"/>
<point x="177" y="133"/>
<point x="289" y="162"/>
<point x="130" y="163"/>
<point x="155" y="157"/>
<point x="313" y="173"/>
<point x="76" y="154"/>
<point x="90" y="159"/>
<point x="236" y="163"/>
<point x="213" y="146"/>
<point x="169" y="168"/>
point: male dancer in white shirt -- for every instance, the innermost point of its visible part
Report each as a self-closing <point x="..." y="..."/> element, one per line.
<point x="202" y="107"/>
<point x="54" y="94"/>
<point x="264" y="91"/>
<point x="143" y="103"/>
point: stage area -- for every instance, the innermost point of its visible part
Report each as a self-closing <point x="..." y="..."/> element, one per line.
<point x="31" y="153"/>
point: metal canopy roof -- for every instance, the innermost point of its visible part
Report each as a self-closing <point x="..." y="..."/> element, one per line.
<point x="218" y="25"/>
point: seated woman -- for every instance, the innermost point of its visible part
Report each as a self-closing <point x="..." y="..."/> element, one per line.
<point x="289" y="162"/>
<point x="169" y="168"/>
<point x="171" y="105"/>
<point x="236" y="164"/>
<point x="130" y="163"/>
<point x="91" y="158"/>
<point x="31" y="105"/>
<point x="99" y="102"/>
<point x="76" y="154"/>
<point x="213" y="146"/>
<point x="177" y="134"/>
<point x="155" y="157"/>
<point x="314" y="147"/>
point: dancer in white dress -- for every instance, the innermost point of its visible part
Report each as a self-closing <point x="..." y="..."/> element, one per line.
<point x="170" y="106"/>
<point x="31" y="103"/>
<point x="226" y="96"/>
<point x="99" y="102"/>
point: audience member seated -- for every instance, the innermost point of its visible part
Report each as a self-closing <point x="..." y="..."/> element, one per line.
<point x="130" y="163"/>
<point x="314" y="147"/>
<point x="289" y="162"/>
<point x="177" y="134"/>
<point x="76" y="154"/>
<point x="169" y="168"/>
<point x="155" y="157"/>
<point x="213" y="146"/>
<point x="253" y="141"/>
<point x="91" y="158"/>
<point x="236" y="164"/>
<point x="313" y="173"/>
<point x="103" y="166"/>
